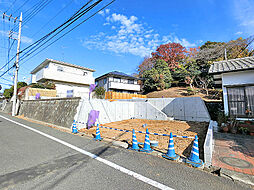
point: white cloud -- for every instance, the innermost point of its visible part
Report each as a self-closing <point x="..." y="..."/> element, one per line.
<point x="243" y="10"/>
<point x="128" y="35"/>
<point x="107" y="11"/>
<point x="184" y="42"/>
<point x="238" y="33"/>
<point x="26" y="40"/>
<point x="104" y="12"/>
<point x="101" y="13"/>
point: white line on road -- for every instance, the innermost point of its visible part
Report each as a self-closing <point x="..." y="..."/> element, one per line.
<point x="111" y="164"/>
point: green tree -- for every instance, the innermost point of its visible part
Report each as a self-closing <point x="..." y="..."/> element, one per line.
<point x="100" y="92"/>
<point x="188" y="72"/>
<point x="158" y="77"/>
<point x="8" y="93"/>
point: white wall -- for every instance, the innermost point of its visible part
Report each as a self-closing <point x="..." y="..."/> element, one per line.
<point x="117" y="111"/>
<point x="187" y="109"/>
<point x="123" y="85"/>
<point x="69" y="74"/>
<point x="78" y="90"/>
<point x="238" y="78"/>
<point x="235" y="78"/>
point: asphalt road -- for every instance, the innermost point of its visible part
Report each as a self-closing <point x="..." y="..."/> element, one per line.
<point x="51" y="159"/>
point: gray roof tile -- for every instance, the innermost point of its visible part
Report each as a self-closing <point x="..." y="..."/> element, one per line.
<point x="232" y="65"/>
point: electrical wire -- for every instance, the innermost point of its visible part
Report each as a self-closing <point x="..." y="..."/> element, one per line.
<point x="5" y="84"/>
<point x="245" y="47"/>
<point x="6" y="79"/>
<point x="76" y="18"/>
<point x="11" y="6"/>
<point x="69" y="31"/>
<point x="20" y="7"/>
<point x="47" y="35"/>
<point x="35" y="10"/>
<point x="73" y="19"/>
<point x="7" y="71"/>
<point x="70" y="2"/>
<point x="53" y="31"/>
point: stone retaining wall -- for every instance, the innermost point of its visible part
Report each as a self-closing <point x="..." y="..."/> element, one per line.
<point x="56" y="111"/>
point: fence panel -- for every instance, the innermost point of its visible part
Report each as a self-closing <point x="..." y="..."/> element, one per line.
<point x="118" y="95"/>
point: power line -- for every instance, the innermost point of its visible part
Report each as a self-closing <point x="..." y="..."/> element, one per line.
<point x="250" y="42"/>
<point x="6" y="71"/>
<point x="37" y="8"/>
<point x="53" y="31"/>
<point x="6" y="79"/>
<point x="5" y="84"/>
<point x="76" y="18"/>
<point x="70" y="2"/>
<point x="73" y="19"/>
<point x="68" y="31"/>
<point x="11" y="5"/>
<point x="47" y="35"/>
<point x="20" y="6"/>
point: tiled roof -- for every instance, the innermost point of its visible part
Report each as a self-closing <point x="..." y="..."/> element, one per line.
<point x="232" y="65"/>
<point x="117" y="74"/>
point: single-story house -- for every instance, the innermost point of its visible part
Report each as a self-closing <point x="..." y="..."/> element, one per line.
<point x="237" y="79"/>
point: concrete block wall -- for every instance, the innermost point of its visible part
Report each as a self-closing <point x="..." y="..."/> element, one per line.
<point x="56" y="111"/>
<point x="145" y="110"/>
<point x="109" y="111"/>
<point x="187" y="108"/>
<point x="117" y="111"/>
<point x="209" y="144"/>
<point x="7" y="107"/>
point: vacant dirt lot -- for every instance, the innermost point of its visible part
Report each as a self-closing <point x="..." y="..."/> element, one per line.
<point x="182" y="146"/>
<point x="175" y="92"/>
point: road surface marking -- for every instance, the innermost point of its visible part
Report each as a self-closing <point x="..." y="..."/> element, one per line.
<point x="111" y="164"/>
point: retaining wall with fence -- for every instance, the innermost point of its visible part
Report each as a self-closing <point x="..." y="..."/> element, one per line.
<point x="62" y="111"/>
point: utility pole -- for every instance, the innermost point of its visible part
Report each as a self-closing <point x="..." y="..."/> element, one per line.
<point x="226" y="57"/>
<point x="17" y="69"/>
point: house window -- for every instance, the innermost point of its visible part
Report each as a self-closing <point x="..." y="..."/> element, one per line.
<point x="59" y="68"/>
<point x="241" y="101"/>
<point x="69" y="93"/>
<point x="130" y="81"/>
<point x="105" y="81"/>
<point x="115" y="79"/>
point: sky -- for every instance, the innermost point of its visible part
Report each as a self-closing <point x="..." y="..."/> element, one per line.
<point x="119" y="37"/>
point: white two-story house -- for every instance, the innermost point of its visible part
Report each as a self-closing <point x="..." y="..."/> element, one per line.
<point x="70" y="80"/>
<point x="118" y="82"/>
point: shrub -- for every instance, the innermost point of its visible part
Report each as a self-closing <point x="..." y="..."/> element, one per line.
<point x="100" y="92"/>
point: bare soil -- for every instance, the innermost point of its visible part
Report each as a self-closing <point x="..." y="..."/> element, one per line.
<point x="182" y="146"/>
<point x="174" y="92"/>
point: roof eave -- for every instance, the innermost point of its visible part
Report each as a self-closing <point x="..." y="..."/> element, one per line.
<point x="114" y="75"/>
<point x="231" y="71"/>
